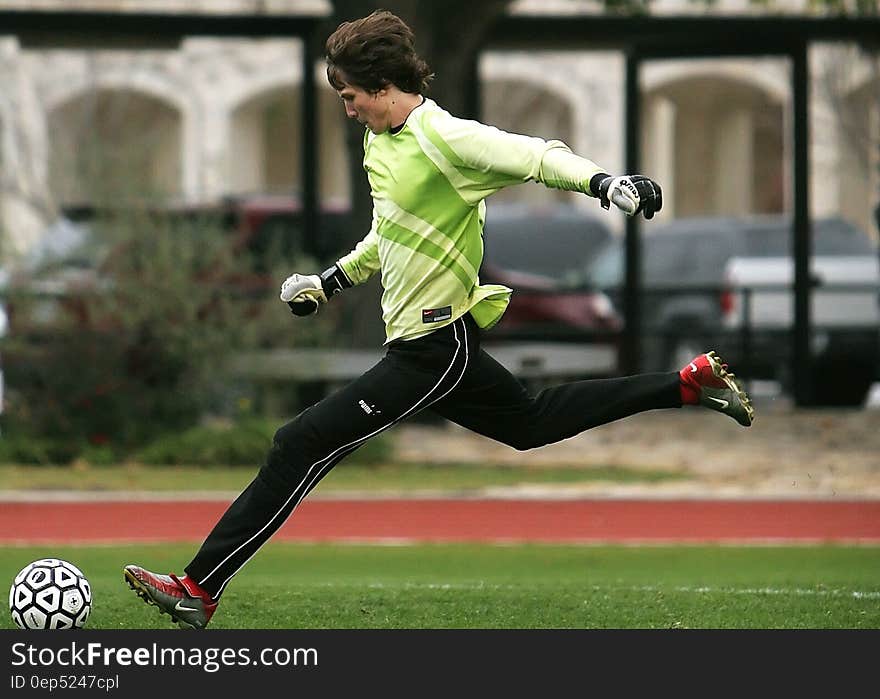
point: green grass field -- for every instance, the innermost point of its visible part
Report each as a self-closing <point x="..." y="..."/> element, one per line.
<point x="292" y="586"/>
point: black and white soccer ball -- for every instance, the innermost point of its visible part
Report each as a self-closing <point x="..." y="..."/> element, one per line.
<point x="50" y="594"/>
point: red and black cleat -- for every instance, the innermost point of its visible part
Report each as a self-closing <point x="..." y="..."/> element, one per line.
<point x="706" y="381"/>
<point x="183" y="600"/>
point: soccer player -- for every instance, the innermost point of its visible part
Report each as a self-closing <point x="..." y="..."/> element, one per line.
<point x="429" y="174"/>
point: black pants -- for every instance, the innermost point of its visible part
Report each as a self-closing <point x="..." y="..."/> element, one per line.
<point x="446" y="371"/>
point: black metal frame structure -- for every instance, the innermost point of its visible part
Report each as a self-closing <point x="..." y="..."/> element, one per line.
<point x="650" y="38"/>
<point x="640" y="38"/>
<point x="44" y="29"/>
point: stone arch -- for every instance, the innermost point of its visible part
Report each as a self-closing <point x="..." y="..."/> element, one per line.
<point x="4" y="167"/>
<point x="122" y="76"/>
<point x="112" y="144"/>
<point x="265" y="131"/>
<point x="24" y="206"/>
<point x="858" y="166"/>
<point x="768" y="76"/>
<point x="5" y="147"/>
<point x="717" y="142"/>
<point x="525" y="107"/>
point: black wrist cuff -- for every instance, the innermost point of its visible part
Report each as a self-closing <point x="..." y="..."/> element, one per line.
<point x="334" y="281"/>
<point x="595" y="180"/>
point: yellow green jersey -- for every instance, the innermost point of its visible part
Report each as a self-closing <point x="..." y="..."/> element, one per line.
<point x="429" y="181"/>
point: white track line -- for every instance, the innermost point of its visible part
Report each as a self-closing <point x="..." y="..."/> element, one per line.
<point x="703" y="590"/>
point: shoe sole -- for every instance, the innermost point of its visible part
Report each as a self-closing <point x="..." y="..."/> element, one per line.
<point x="729" y="378"/>
<point x="143" y="592"/>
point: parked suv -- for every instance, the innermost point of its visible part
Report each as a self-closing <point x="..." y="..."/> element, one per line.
<point x="539" y="254"/>
<point x="688" y="302"/>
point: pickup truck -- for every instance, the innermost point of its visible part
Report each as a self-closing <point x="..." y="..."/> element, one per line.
<point x="758" y="312"/>
<point x="691" y="288"/>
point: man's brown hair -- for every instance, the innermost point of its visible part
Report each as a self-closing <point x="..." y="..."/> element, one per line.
<point x="373" y="52"/>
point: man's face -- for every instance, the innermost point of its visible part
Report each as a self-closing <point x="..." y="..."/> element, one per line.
<point x="372" y="109"/>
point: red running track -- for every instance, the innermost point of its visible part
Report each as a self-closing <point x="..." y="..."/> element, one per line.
<point x="445" y="520"/>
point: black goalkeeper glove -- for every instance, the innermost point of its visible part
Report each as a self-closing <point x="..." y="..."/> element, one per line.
<point x="629" y="193"/>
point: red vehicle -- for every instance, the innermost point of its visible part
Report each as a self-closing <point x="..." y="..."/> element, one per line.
<point x="542" y="256"/>
<point x="272" y="225"/>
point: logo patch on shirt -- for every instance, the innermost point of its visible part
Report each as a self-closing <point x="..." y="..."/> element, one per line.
<point x="435" y="315"/>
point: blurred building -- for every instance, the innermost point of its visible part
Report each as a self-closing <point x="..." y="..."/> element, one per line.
<point x="219" y="116"/>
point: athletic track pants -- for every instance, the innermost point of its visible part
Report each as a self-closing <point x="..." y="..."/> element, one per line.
<point x="446" y="371"/>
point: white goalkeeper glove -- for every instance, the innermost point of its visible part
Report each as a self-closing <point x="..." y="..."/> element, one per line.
<point x="303" y="293"/>
<point x="630" y="193"/>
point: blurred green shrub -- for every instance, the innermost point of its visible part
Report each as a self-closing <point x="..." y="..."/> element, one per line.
<point x="236" y="445"/>
<point x="243" y="443"/>
<point x="139" y="346"/>
<point x="19" y="449"/>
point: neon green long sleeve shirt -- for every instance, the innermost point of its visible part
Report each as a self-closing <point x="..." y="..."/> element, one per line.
<point x="429" y="182"/>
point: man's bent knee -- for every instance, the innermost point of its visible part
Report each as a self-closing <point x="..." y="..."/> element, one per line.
<point x="295" y="447"/>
